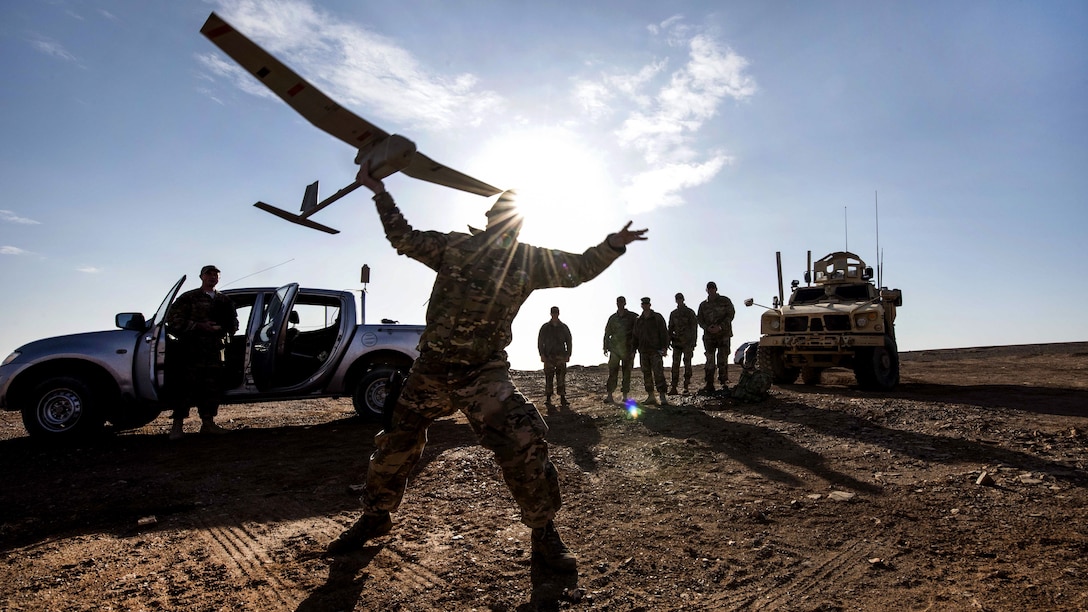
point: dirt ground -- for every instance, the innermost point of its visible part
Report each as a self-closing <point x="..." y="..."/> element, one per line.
<point x="964" y="489"/>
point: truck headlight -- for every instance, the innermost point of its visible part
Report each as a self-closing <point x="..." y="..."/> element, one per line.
<point x="861" y="321"/>
<point x="10" y="358"/>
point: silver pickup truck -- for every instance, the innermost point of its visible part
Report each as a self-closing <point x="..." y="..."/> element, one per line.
<point x="293" y="343"/>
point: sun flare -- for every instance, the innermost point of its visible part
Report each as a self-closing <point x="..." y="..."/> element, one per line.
<point x="564" y="189"/>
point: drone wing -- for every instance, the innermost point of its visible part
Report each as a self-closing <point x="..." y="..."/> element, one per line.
<point x="326" y="114"/>
<point x="426" y="169"/>
<point x="300" y="95"/>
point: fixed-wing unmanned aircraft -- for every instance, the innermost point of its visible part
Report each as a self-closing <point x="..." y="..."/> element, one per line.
<point x="387" y="153"/>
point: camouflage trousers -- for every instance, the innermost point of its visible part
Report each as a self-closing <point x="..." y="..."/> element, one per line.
<point x="653" y="371"/>
<point x="752" y="386"/>
<point x="200" y="385"/>
<point x="616" y="363"/>
<point x="717" y="358"/>
<point x="684" y="353"/>
<point x="504" y="422"/>
<point x="555" y="368"/>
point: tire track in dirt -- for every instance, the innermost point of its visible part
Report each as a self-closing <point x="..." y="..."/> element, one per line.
<point x="244" y="552"/>
<point x="842" y="566"/>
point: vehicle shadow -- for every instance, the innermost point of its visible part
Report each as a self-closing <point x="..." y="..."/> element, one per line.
<point x="928" y="447"/>
<point x="757" y="448"/>
<point x="1036" y="399"/>
<point x="108" y="484"/>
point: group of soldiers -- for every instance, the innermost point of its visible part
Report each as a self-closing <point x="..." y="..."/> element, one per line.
<point x="647" y="334"/>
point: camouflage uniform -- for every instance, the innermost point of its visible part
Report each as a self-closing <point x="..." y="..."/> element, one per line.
<point x="716" y="311"/>
<point x="621" y="353"/>
<point x="651" y="339"/>
<point x="553" y="342"/>
<point x="683" y="336"/>
<point x="752" y="386"/>
<point x="196" y="361"/>
<point x="482" y="280"/>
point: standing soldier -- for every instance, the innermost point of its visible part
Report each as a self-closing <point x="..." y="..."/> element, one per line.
<point x="652" y="342"/>
<point x="481" y="280"/>
<point x="716" y="318"/>
<point x="203" y="321"/>
<point x="618" y="347"/>
<point x="554" y="345"/>
<point x="683" y="336"/>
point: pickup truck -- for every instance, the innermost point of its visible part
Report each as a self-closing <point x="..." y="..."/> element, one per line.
<point x="293" y="343"/>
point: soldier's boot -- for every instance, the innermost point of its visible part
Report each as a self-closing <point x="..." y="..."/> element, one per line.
<point x="724" y="379"/>
<point x="208" y="426"/>
<point x="686" y="382"/>
<point x="548" y="400"/>
<point x="610" y="399"/>
<point x="650" y="399"/>
<point x="664" y="398"/>
<point x="708" y="389"/>
<point x="368" y="526"/>
<point x="178" y="429"/>
<point x="563" y="401"/>
<point x="549" y="548"/>
<point x="672" y="390"/>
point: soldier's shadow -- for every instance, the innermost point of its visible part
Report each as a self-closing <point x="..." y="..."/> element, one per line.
<point x="344" y="585"/>
<point x="551" y="590"/>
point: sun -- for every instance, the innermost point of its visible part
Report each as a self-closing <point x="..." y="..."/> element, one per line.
<point x="564" y="189"/>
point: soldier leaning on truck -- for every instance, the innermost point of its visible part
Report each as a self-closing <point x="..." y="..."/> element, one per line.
<point x="482" y="280"/>
<point x="203" y="321"/>
<point x="716" y="318"/>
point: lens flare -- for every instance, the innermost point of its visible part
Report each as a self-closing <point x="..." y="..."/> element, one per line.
<point x="631" y="406"/>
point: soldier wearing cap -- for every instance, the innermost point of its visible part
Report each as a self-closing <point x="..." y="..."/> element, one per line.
<point x="651" y="340"/>
<point x="481" y="281"/>
<point x="683" y="336"/>
<point x="620" y="350"/>
<point x="554" y="344"/>
<point x="203" y="321"/>
<point x="716" y="318"/>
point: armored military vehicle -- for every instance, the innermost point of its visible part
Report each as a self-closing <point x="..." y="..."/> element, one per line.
<point x="838" y="319"/>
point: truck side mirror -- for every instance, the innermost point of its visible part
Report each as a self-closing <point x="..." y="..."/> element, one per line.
<point x="867" y="273"/>
<point x="130" y="320"/>
<point x="808" y="278"/>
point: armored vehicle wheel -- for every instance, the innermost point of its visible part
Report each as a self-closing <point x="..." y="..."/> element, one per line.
<point x="810" y="375"/>
<point x="370" y="393"/>
<point x="62" y="408"/>
<point x="877" y="369"/>
<point x="770" y="360"/>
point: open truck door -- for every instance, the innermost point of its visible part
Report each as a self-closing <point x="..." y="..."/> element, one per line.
<point x="269" y="337"/>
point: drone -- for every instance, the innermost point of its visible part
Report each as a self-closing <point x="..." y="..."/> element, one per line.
<point x="387" y="153"/>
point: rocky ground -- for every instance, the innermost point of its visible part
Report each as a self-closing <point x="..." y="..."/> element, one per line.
<point x="964" y="489"/>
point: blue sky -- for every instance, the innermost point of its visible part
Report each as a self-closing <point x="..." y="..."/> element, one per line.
<point x="732" y="130"/>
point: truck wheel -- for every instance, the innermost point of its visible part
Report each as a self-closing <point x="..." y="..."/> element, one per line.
<point x="62" y="408"/>
<point x="877" y="369"/>
<point x="810" y="375"/>
<point x="770" y="360"/>
<point x="370" y="393"/>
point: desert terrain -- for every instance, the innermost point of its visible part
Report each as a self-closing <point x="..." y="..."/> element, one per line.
<point x="964" y="489"/>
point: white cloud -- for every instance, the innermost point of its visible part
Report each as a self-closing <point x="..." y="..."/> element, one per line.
<point x="661" y="112"/>
<point x="356" y="67"/>
<point x="661" y="186"/>
<point x="88" y="269"/>
<point x="10" y="250"/>
<point x="11" y="217"/>
<point x="53" y="49"/>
